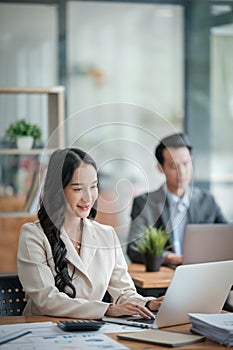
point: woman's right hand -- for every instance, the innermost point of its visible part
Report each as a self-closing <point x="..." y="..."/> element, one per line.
<point x="129" y="309"/>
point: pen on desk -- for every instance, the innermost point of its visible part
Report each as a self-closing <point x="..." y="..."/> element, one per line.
<point x="8" y="337"/>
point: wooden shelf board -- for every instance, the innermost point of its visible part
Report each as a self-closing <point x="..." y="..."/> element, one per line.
<point x="31" y="90"/>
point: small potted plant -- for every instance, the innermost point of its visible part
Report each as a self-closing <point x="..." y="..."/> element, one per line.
<point x="23" y="133"/>
<point x="151" y="246"/>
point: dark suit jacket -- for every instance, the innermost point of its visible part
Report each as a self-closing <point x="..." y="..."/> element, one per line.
<point x="152" y="209"/>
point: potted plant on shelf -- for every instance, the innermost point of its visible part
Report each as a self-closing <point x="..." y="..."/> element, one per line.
<point x="23" y="133"/>
<point x="151" y="246"/>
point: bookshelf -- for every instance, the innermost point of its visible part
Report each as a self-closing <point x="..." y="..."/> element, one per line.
<point x="56" y="115"/>
<point x="13" y="207"/>
<point x="12" y="158"/>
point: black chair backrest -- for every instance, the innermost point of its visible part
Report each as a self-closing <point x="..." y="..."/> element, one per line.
<point x="12" y="296"/>
<point x="228" y="306"/>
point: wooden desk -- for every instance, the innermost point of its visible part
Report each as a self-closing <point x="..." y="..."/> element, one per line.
<point x="206" y="345"/>
<point x="150" y="283"/>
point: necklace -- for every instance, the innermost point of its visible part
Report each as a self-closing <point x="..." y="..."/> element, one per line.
<point x="77" y="244"/>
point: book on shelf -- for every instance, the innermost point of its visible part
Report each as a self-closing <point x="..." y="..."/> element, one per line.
<point x="217" y="327"/>
<point x="24" y="168"/>
<point x="32" y="199"/>
<point x="32" y="194"/>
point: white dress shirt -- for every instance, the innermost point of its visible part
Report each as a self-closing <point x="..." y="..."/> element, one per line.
<point x="178" y="218"/>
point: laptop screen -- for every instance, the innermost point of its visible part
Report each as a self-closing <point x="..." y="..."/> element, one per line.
<point x="208" y="242"/>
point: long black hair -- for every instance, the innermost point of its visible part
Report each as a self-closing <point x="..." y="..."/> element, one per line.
<point x="52" y="208"/>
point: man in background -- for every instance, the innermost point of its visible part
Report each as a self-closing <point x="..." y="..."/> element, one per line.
<point x="175" y="204"/>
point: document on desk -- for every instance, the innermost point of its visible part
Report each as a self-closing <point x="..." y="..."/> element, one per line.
<point x="217" y="327"/>
<point x="45" y="335"/>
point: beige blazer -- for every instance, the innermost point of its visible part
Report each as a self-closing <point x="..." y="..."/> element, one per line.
<point x="101" y="266"/>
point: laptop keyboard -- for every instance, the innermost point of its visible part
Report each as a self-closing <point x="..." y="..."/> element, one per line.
<point x="142" y="320"/>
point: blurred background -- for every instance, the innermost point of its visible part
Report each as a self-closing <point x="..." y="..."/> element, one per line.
<point x="133" y="72"/>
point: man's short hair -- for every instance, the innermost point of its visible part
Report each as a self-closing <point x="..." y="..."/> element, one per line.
<point x="174" y="141"/>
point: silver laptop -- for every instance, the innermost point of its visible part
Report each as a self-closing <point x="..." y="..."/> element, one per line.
<point x="194" y="288"/>
<point x="208" y="242"/>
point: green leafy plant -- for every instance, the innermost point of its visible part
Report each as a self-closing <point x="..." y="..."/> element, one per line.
<point x="22" y="128"/>
<point x="153" y="242"/>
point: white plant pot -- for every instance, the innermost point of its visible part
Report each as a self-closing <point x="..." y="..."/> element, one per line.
<point x="25" y="142"/>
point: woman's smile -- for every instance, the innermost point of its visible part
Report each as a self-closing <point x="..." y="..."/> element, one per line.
<point x="84" y="207"/>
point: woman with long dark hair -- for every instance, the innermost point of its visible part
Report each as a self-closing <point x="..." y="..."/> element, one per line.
<point x="66" y="260"/>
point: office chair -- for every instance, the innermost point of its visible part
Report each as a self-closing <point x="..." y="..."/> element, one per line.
<point x="228" y="306"/>
<point x="12" y="296"/>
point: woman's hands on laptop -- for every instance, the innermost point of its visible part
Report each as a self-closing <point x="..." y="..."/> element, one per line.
<point x="154" y="304"/>
<point x="130" y="309"/>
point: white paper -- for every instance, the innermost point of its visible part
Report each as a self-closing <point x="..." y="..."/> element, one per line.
<point x="223" y="321"/>
<point x="46" y="335"/>
<point x="217" y="327"/>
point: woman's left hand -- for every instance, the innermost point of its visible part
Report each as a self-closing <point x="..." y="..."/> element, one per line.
<point x="128" y="309"/>
<point x="154" y="304"/>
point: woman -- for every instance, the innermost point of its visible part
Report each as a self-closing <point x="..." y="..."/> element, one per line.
<point x="66" y="260"/>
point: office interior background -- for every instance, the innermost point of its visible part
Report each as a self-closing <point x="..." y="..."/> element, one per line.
<point x="133" y="72"/>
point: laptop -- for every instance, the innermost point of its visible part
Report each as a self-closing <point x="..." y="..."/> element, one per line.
<point x="194" y="288"/>
<point x="207" y="242"/>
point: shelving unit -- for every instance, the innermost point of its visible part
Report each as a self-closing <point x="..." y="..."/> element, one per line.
<point x="56" y="115"/>
<point x="12" y="208"/>
<point x="55" y="125"/>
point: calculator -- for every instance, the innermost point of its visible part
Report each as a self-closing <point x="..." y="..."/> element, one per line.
<point x="80" y="325"/>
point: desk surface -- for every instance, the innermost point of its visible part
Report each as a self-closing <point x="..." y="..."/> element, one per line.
<point x="206" y="345"/>
<point x="145" y="280"/>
